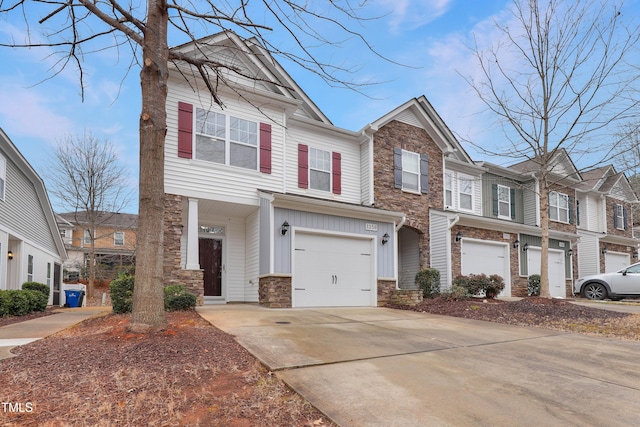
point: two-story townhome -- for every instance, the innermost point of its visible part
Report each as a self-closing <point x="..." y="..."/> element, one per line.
<point x="115" y="236"/>
<point x="605" y="199"/>
<point x="30" y="243"/>
<point x="265" y="198"/>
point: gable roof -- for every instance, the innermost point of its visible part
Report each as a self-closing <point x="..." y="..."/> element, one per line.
<point x="115" y="220"/>
<point x="419" y="112"/>
<point x="562" y="166"/>
<point x="12" y="152"/>
<point x="252" y="64"/>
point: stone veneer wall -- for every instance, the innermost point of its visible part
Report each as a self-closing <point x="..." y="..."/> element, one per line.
<point x="174" y="274"/>
<point x="275" y="291"/>
<point x="386" y="196"/>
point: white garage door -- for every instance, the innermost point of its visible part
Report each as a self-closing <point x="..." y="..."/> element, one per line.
<point x="488" y="258"/>
<point x="333" y="271"/>
<point x="557" y="286"/>
<point x="615" y="261"/>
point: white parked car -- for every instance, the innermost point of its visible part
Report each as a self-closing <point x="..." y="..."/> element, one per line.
<point x="623" y="283"/>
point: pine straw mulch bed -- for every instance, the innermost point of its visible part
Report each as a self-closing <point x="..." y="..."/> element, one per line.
<point x="191" y="373"/>
<point x="537" y="312"/>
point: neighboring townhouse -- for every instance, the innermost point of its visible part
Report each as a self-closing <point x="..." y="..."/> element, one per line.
<point x="115" y="243"/>
<point x="605" y="199"/>
<point x="29" y="239"/>
<point x="265" y="199"/>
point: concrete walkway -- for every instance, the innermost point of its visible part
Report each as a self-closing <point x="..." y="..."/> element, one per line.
<point x="28" y="331"/>
<point x="384" y="367"/>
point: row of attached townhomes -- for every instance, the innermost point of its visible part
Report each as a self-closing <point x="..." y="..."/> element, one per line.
<point x="267" y="201"/>
<point x="31" y="249"/>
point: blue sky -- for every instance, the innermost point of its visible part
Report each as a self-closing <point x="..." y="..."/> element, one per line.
<point x="430" y="36"/>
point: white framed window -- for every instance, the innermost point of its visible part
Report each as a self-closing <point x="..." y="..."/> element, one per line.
<point x="448" y="190"/>
<point x="558" y="207"/>
<point x="3" y="177"/>
<point x="504" y="202"/>
<point x="465" y="193"/>
<point x="319" y="169"/>
<point x="118" y="238"/>
<point x="226" y="139"/>
<point x="410" y="171"/>
<point x="49" y="274"/>
<point x="30" y="268"/>
<point x="619" y="221"/>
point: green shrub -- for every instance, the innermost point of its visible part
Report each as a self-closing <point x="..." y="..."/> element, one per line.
<point x="533" y="287"/>
<point x="36" y="286"/>
<point x="178" y="297"/>
<point x="4" y="303"/>
<point x="428" y="279"/>
<point x="20" y="302"/>
<point x="456" y="292"/>
<point x="122" y="293"/>
<point x="37" y="300"/>
<point x="477" y="284"/>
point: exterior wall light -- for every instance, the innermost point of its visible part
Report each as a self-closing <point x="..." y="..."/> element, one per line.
<point x="458" y="236"/>
<point x="604" y="251"/>
<point x="284" y="228"/>
<point x="10" y="255"/>
<point x="385" y="238"/>
<point x="570" y="252"/>
<point x="525" y="248"/>
<point x="635" y="255"/>
<point x="516" y="244"/>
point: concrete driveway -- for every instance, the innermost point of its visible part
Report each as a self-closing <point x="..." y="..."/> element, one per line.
<point x="384" y="367"/>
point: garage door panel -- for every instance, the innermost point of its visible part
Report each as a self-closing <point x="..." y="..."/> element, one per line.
<point x="332" y="271"/>
<point x="557" y="287"/>
<point x="486" y="258"/>
<point x="615" y="261"/>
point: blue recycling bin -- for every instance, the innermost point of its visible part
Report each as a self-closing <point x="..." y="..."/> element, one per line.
<point x="73" y="298"/>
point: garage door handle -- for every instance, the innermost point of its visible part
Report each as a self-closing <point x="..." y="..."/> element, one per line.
<point x="300" y="289"/>
<point x="365" y="290"/>
<point x="334" y="279"/>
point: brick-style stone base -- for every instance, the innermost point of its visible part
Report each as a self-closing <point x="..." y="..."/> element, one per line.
<point x="174" y="274"/>
<point x="275" y="291"/>
<point x="406" y="296"/>
<point x="386" y="288"/>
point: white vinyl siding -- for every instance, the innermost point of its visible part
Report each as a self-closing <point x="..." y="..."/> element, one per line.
<point x="366" y="173"/>
<point x="465" y="193"/>
<point x="3" y="177"/>
<point x="440" y="248"/>
<point x="589" y="254"/>
<point x="252" y="241"/>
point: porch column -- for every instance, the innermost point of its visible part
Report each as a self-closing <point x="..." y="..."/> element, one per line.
<point x="193" y="261"/>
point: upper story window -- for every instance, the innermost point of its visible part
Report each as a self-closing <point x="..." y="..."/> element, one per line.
<point x="448" y="190"/>
<point x="410" y="171"/>
<point x="619" y="216"/>
<point x="3" y="177"/>
<point x="559" y="207"/>
<point x="503" y="206"/>
<point x="465" y="193"/>
<point x="118" y="238"/>
<point x="225" y="139"/>
<point x="319" y="169"/>
<point x="87" y="237"/>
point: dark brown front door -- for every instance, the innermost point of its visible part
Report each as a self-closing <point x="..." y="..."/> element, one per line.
<point x="211" y="262"/>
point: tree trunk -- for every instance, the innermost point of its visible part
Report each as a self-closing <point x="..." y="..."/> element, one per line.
<point x="92" y="266"/>
<point x="544" y="249"/>
<point x="148" y="302"/>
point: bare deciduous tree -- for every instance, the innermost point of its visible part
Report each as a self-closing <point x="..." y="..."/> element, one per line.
<point x="560" y="77"/>
<point x="88" y="178"/>
<point x="76" y="27"/>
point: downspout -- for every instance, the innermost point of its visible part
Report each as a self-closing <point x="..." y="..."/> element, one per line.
<point x="401" y="223"/>
<point x="453" y="222"/>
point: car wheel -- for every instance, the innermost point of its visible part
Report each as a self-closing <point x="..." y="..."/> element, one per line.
<point x="594" y="291"/>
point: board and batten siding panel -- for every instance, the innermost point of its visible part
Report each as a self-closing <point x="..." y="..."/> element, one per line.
<point x="438" y="231"/>
<point x="365" y="173"/>
<point x="21" y="212"/>
<point x="211" y="180"/>
<point x="408" y="258"/>
<point x="588" y="254"/>
<point x="350" y="152"/>
<point x="335" y="224"/>
<point x="252" y="244"/>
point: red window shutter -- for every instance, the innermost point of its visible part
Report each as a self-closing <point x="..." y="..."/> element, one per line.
<point x="303" y="166"/>
<point x="336" y="172"/>
<point x="265" y="148"/>
<point x="185" y="130"/>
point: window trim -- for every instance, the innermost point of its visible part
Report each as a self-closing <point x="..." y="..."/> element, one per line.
<point x="619" y="220"/>
<point x="469" y="179"/>
<point x="29" y="268"/>
<point x="115" y="239"/>
<point x="448" y="189"/>
<point x="3" y="178"/>
<point x="415" y="173"/>
<point x="502" y="202"/>
<point x="85" y="240"/>
<point x="558" y="208"/>
<point x="329" y="172"/>
<point x="228" y="141"/>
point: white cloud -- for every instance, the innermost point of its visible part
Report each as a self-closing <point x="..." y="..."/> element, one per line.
<point x="409" y="14"/>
